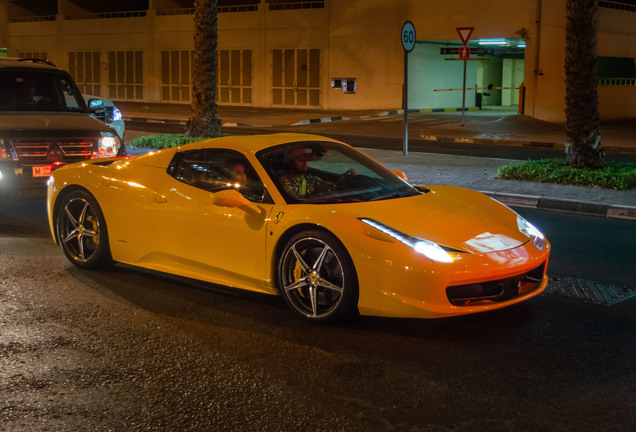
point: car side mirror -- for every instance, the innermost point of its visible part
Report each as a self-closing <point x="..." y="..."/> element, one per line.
<point x="232" y="198"/>
<point x="401" y="174"/>
<point x="96" y="106"/>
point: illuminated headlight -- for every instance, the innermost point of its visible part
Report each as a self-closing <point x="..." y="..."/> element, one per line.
<point x="116" y="114"/>
<point x="427" y="248"/>
<point x="527" y="228"/>
<point x="108" y="146"/>
<point x="532" y="232"/>
<point x="6" y="151"/>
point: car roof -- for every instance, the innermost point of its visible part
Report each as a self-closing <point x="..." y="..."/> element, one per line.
<point x="27" y="63"/>
<point x="245" y="144"/>
<point x="254" y="143"/>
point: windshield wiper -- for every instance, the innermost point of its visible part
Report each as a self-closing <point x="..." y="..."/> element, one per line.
<point x="394" y="195"/>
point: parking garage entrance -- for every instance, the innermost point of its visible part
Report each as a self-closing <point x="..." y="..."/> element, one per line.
<point x="494" y="75"/>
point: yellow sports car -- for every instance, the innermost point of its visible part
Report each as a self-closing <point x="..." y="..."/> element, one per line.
<point x="307" y="217"/>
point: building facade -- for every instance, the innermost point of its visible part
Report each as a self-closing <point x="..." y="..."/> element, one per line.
<point x="330" y="54"/>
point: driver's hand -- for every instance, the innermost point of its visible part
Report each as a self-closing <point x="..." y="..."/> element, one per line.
<point x="348" y="174"/>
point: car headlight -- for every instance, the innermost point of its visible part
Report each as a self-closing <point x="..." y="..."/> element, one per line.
<point x="527" y="228"/>
<point x="107" y="146"/>
<point x="532" y="232"/>
<point x="116" y="115"/>
<point x="427" y="248"/>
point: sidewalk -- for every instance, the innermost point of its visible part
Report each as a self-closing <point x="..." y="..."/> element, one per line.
<point x="481" y="127"/>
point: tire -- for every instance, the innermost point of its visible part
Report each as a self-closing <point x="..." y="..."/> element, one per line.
<point x="316" y="277"/>
<point x="81" y="231"/>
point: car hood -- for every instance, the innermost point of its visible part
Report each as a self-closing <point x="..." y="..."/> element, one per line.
<point x="51" y="124"/>
<point x="450" y="216"/>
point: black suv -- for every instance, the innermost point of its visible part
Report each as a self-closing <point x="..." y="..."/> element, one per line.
<point x="44" y="124"/>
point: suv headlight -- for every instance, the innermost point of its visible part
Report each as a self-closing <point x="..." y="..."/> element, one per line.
<point x="116" y="115"/>
<point x="107" y="146"/>
<point x="6" y="151"/>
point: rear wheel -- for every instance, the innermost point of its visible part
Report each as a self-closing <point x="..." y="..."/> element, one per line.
<point x="81" y="230"/>
<point x="316" y="277"/>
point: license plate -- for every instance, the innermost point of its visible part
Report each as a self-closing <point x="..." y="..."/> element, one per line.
<point x="41" y="170"/>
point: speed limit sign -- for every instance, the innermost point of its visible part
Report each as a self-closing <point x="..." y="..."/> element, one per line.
<point x="408" y="36"/>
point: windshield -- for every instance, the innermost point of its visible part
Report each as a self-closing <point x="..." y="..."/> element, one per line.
<point x="27" y="90"/>
<point x="328" y="172"/>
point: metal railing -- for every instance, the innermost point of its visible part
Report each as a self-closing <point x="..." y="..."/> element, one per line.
<point x="617" y="81"/>
<point x="617" y="5"/>
<point x="106" y="15"/>
<point x="33" y="18"/>
<point x="222" y="9"/>
<point x="300" y="4"/>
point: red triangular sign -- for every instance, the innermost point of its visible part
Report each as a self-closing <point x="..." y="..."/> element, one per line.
<point x="464" y="33"/>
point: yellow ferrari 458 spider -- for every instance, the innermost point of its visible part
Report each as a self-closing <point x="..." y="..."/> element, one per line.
<point x="303" y="216"/>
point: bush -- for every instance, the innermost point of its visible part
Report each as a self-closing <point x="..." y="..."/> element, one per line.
<point x="615" y="175"/>
<point x="164" y="141"/>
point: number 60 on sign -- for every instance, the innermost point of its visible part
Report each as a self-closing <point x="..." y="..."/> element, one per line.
<point x="408" y="36"/>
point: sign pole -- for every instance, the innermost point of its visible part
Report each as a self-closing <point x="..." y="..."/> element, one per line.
<point x="405" y="103"/>
<point x="464" y="34"/>
<point x="408" y="43"/>
<point x="464" y="93"/>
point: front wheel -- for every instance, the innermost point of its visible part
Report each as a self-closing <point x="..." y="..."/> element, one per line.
<point x="81" y="231"/>
<point x="317" y="278"/>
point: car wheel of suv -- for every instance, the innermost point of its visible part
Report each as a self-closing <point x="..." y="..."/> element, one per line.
<point x="316" y="277"/>
<point x="81" y="230"/>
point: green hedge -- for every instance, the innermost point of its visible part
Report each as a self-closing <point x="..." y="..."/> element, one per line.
<point x="615" y="175"/>
<point x="164" y="141"/>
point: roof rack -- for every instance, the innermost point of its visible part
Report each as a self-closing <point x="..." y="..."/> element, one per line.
<point x="37" y="60"/>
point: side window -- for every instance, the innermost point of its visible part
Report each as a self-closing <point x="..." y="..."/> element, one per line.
<point x="218" y="169"/>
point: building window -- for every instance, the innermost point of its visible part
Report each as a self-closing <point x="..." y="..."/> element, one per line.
<point x="84" y="67"/>
<point x="235" y="77"/>
<point x="125" y="75"/>
<point x="176" y="75"/>
<point x="296" y="77"/>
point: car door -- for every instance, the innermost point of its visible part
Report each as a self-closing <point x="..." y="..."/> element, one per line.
<point x="211" y="219"/>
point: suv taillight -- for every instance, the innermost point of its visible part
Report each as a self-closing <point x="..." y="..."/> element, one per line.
<point x="6" y="151"/>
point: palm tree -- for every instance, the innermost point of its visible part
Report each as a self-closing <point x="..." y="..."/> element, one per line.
<point x="582" y="125"/>
<point x="204" y="121"/>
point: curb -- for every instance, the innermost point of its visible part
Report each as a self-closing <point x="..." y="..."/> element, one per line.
<point x="427" y="110"/>
<point x="154" y="120"/>
<point x="179" y="122"/>
<point x="609" y="211"/>
<point x="320" y="120"/>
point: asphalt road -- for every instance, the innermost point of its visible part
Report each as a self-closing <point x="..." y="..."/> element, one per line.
<point x="126" y="349"/>
<point x="374" y="138"/>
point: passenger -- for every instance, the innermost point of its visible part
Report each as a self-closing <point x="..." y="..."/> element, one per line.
<point x="239" y="177"/>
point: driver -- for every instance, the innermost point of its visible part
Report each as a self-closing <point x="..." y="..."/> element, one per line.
<point x="298" y="183"/>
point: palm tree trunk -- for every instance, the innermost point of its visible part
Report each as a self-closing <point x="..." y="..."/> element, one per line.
<point x="204" y="121"/>
<point x="582" y="127"/>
